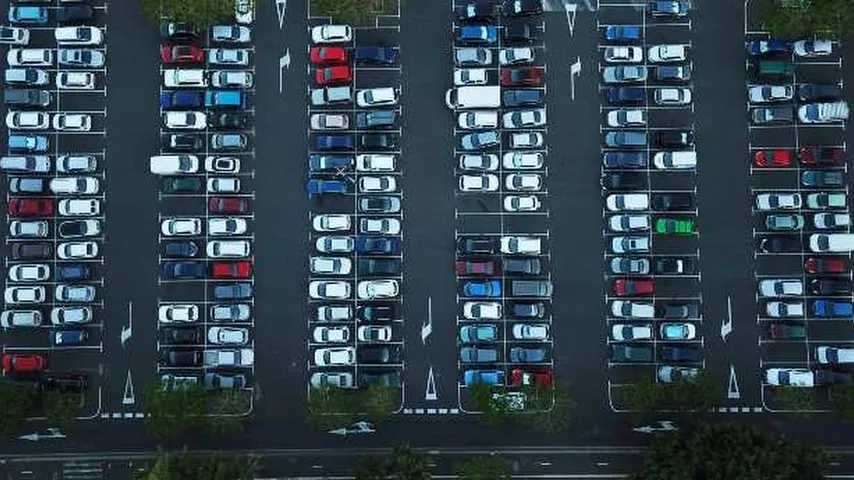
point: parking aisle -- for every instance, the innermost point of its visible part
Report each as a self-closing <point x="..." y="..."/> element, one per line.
<point x="355" y="324"/>
<point x="652" y="264"/>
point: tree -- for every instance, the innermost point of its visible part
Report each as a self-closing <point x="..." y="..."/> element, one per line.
<point x="726" y="452"/>
<point x="60" y="408"/>
<point x="330" y="408"/>
<point x="186" y="467"/>
<point x="346" y="11"/>
<point x="825" y="18"/>
<point x="483" y="467"/>
<point x="16" y="401"/>
<point x="797" y="400"/>
<point x="407" y="464"/>
<point x="174" y="412"/>
<point x="378" y="402"/>
<point x="227" y="410"/>
<point x="550" y="410"/>
<point x="842" y="397"/>
<point x="201" y="13"/>
<point x="699" y="394"/>
<point x="371" y="468"/>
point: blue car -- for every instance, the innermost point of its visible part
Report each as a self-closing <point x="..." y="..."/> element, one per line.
<point x="377" y="245"/>
<point x="487" y="288"/>
<point x="671" y="8"/>
<point x="71" y="272"/>
<point x="225" y="99"/>
<point x="623" y="33"/>
<point x="376" y="55"/>
<point x="832" y="308"/>
<point x="625" y="159"/>
<point x="334" y="142"/>
<point x="763" y="48"/>
<point x="27" y="143"/>
<point x="478" y="35"/>
<point x="182" y="99"/>
<point x="182" y="270"/>
<point x="233" y="291"/>
<point x="626" y="95"/>
<point x="478" y="333"/>
<point x="319" y="187"/>
<point x="61" y="338"/>
<point x="488" y="377"/>
<point x="28" y="15"/>
<point x="326" y="163"/>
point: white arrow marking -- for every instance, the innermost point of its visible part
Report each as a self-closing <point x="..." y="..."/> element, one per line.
<point x="427" y="326"/>
<point x="726" y="325"/>
<point x="281" y="5"/>
<point x="284" y="62"/>
<point x="430" y="394"/>
<point x="574" y="70"/>
<point x="128" y="398"/>
<point x="52" y="432"/>
<point x="733" y="392"/>
<point x="663" y="426"/>
<point x="570" y="9"/>
<point x="358" y="427"/>
<point x="127" y="332"/>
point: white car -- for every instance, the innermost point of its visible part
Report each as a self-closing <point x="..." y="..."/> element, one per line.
<point x="173" y="164"/>
<point x="629" y="309"/>
<point x="374" y="162"/>
<point x="778" y="201"/>
<point x="77" y="250"/>
<point x="334" y="313"/>
<point x="21" y="319"/>
<point x="172" y="227"/>
<point x="376" y="97"/>
<point x="478" y="183"/>
<point x="177" y="313"/>
<point x="73" y="122"/>
<point x="482" y="310"/>
<point x="629" y="244"/>
<point x="332" y="34"/>
<point x="78" y="36"/>
<point x="483" y="162"/>
<point x="521" y="203"/>
<point x="74" y="185"/>
<point x="470" y="76"/>
<point x="526" y="140"/>
<point x="531" y="331"/>
<point x="813" y="48"/>
<point x="524" y="118"/>
<point x="780" y="287"/>
<point x="623" y="54"/>
<point x="231" y="34"/>
<point x="185" y="120"/>
<point x="329" y="121"/>
<point x="617" y="202"/>
<point x="513" y="245"/>
<point x="331" y="223"/>
<point x="678" y="160"/>
<point x="70" y="315"/>
<point x="244" y="11"/>
<point x="622" y="332"/>
<point x="523" y="160"/>
<point x="222" y="164"/>
<point x="228" y="249"/>
<point x="76" y="163"/>
<point x="232" y="79"/>
<point x="330" y="265"/>
<point x="29" y="294"/>
<point x="477" y="119"/>
<point x="672" y="96"/>
<point x="371" y="289"/>
<point x="667" y="53"/>
<point x="226" y="226"/>
<point x="826" y="221"/>
<point x="515" y="56"/>
<point x="329" y="289"/>
<point x="335" y="357"/>
<point x="523" y="182"/>
<point x="383" y="184"/>
<point x="834" y="355"/>
<point x="374" y="333"/>
<point x="78" y="207"/>
<point x="331" y="334"/>
<point x="380" y="226"/>
<point x="779" y="309"/>
<point x="228" y="336"/>
<point x="334" y="244"/>
<point x="14" y="36"/>
<point x="75" y="80"/>
<point x="29" y="57"/>
<point x="27" y="120"/>
<point x="628" y="223"/>
<point x="332" y="379"/>
<point x="184" y="78"/>
<point x="29" y="272"/>
<point x="228" y="56"/>
<point x="770" y="93"/>
<point x="223" y="185"/>
<point x="626" y="118"/>
<point x="790" y="377"/>
<point x="81" y="57"/>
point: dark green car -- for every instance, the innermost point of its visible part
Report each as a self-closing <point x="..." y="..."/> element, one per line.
<point x="674" y="226"/>
<point x="181" y="185"/>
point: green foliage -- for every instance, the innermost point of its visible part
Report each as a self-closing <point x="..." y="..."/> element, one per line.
<point x="227" y="407"/>
<point x="378" y="402"/>
<point x="330" y="407"/>
<point x="701" y="394"/>
<point x="795" y="399"/>
<point x="827" y="18"/>
<point x="370" y="468"/>
<point x="727" y="452"/>
<point x="483" y="467"/>
<point x="186" y="467"/>
<point x="201" y="13"/>
<point x="403" y="464"/>
<point x="842" y="397"/>
<point x="173" y="413"/>
<point x="550" y="411"/>
<point x="15" y="402"/>
<point x="61" y="408"/>
<point x="355" y="12"/>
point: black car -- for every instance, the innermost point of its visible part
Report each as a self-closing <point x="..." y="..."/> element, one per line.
<point x="674" y="138"/>
<point x="522" y="98"/>
<point x="624" y="160"/>
<point x="378" y="355"/>
<point x="376" y="119"/>
<point x="624" y="181"/>
<point x="183" y="142"/>
<point x="233" y="121"/>
<point x="519" y="33"/>
<point x="476" y="245"/>
<point x="76" y="229"/>
<point x="673" y="73"/>
<point x="379" y="204"/>
<point x="389" y="379"/>
<point x="377" y="312"/>
<point x="522" y="266"/>
<point x="672" y="310"/>
<point x="375" y="55"/>
<point x="63" y="382"/>
<point x="521" y="8"/>
<point x="377" y="245"/>
<point x="70" y="272"/>
<point x="178" y="31"/>
<point x="378" y="266"/>
<point x="625" y="95"/>
<point x="674" y="266"/>
<point x="812" y="92"/>
<point x="26" y="97"/>
<point x="780" y="244"/>
<point x="679" y="354"/>
<point x="830" y="286"/>
<point x="528" y="309"/>
<point x="183" y="270"/>
<point x="181" y="358"/>
<point x="378" y="141"/>
<point x="772" y="115"/>
<point x="672" y="202"/>
<point x="31" y="250"/>
<point x="184" y="184"/>
<point x="180" y="249"/>
<point x="75" y="14"/>
<point x="181" y="336"/>
<point x="476" y="10"/>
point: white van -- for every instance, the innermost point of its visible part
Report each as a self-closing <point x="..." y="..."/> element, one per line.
<point x="832" y="242"/>
<point x="172" y="164"/>
<point x="473" y="97"/>
<point x="682" y="160"/>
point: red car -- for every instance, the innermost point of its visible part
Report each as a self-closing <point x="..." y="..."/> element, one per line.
<point x="821" y="156"/>
<point x="181" y="54"/>
<point x="772" y="158"/>
<point x="826" y="265"/>
<point x="30" y="207"/>
<point x="328" y="56"/>
<point x="241" y="269"/>
<point x="228" y="205"/>
<point x="526" y="378"/>
<point x="333" y="75"/>
<point x="631" y="287"/>
<point x="476" y="267"/>
<point x="521" y="77"/>
<point x="21" y="363"/>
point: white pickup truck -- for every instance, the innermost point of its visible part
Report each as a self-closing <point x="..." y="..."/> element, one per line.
<point x="243" y="357"/>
